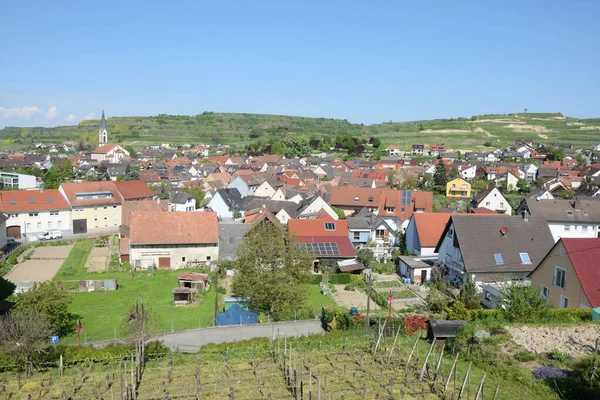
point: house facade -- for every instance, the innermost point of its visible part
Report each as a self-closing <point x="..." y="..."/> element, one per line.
<point x="458" y="188"/>
<point x="569" y="275"/>
<point x="113" y="153"/>
<point x="424" y="231"/>
<point x="493" y="200"/>
<point x="12" y="180"/>
<point x="186" y="245"/>
<point x="227" y="203"/>
<point x="32" y="212"/>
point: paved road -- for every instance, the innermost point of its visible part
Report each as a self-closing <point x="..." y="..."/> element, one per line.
<point x="192" y="340"/>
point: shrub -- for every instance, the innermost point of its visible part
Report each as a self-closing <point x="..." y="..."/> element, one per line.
<point x="436" y="301"/>
<point x="222" y="290"/>
<point x="524" y="356"/>
<point x="336" y="318"/>
<point x="340" y="279"/>
<point x="548" y="373"/>
<point x="413" y="323"/>
<point x="558" y="355"/>
<point x="317" y="279"/>
<point x="349" y="287"/>
<point x="457" y="311"/>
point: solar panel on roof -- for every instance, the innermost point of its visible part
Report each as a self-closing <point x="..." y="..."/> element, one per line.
<point x="320" y="249"/>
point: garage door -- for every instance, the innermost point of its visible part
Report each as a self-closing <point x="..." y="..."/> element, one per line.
<point x="80" y="226"/>
<point x="164" y="262"/>
<point x="14" y="231"/>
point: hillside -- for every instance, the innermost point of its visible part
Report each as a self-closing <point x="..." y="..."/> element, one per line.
<point x="239" y="129"/>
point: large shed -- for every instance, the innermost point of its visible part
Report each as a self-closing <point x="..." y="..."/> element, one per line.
<point x="442" y="329"/>
<point x="193" y="281"/>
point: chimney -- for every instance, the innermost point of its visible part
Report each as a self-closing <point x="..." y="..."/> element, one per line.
<point x="42" y="188"/>
<point x="525" y="215"/>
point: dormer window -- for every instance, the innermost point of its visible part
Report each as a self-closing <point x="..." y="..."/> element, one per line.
<point x="330" y="226"/>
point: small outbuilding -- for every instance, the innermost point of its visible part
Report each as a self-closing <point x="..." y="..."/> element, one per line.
<point x="442" y="329"/>
<point x="182" y="296"/>
<point x="193" y="281"/>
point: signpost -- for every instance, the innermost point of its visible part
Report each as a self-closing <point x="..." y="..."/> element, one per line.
<point x="54" y="339"/>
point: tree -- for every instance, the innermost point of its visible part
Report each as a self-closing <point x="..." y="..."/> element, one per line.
<point x="102" y="173"/>
<point x="7" y="288"/>
<point x="523" y="303"/>
<point x="45" y="298"/>
<point x="23" y="336"/>
<point x="197" y="193"/>
<point x="397" y="178"/>
<point x="131" y="174"/>
<point x="272" y="271"/>
<point x="366" y="257"/>
<point x="295" y="146"/>
<point x="440" y="178"/>
<point x="478" y="185"/>
<point x="469" y="297"/>
<point x="163" y="191"/>
<point x="140" y="324"/>
<point x="523" y="186"/>
<point x="339" y="212"/>
<point x="453" y="172"/>
<point x="376" y="143"/>
<point x="131" y="151"/>
<point x="52" y="179"/>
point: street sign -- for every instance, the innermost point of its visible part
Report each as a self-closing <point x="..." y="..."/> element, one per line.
<point x="54" y="339"/>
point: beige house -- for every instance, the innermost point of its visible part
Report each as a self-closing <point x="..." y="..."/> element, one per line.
<point x="569" y="275"/>
<point x="94" y="205"/>
<point x="109" y="152"/>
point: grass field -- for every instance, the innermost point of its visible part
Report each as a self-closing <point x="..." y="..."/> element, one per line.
<point x="237" y="130"/>
<point x="102" y="313"/>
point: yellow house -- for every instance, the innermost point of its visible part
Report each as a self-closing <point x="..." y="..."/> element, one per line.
<point x="569" y="275"/>
<point x="95" y="206"/>
<point x="458" y="188"/>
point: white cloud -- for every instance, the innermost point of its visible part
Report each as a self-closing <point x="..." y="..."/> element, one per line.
<point x="52" y="111"/>
<point x="89" y="116"/>
<point x="71" y="118"/>
<point x="25" y="112"/>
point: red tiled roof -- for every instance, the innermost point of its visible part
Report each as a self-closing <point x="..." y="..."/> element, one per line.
<point x="129" y="207"/>
<point x="316" y="227"/>
<point x="149" y="176"/>
<point x="483" y="210"/>
<point x="585" y="257"/>
<point x="13" y="201"/>
<point x="430" y="227"/>
<point x="345" y="248"/>
<point x="104" y="149"/>
<point x="87" y="187"/>
<point x="182" y="228"/>
<point x="131" y="190"/>
<point x="193" y="276"/>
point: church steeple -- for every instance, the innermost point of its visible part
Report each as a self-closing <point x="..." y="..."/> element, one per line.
<point x="102" y="132"/>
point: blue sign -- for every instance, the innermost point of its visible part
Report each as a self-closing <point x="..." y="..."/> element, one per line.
<point x="54" y="339"/>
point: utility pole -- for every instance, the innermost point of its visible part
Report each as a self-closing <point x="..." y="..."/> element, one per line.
<point x="367" y="324"/>
<point x="216" y="296"/>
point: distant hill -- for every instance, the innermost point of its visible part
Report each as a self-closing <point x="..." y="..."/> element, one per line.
<point x="239" y="129"/>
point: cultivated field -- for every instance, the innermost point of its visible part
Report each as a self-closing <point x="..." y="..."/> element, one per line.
<point x="42" y="266"/>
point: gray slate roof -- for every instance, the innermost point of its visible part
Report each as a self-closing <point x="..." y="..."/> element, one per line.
<point x="366" y="220"/>
<point x="584" y="211"/>
<point x="479" y="237"/>
<point x="231" y="235"/>
<point x="231" y="197"/>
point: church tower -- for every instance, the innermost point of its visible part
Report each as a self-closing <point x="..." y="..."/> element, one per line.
<point x="102" y="132"/>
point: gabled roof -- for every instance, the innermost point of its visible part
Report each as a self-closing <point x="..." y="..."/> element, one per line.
<point x="182" y="228"/>
<point x="585" y="257"/>
<point x="583" y="211"/>
<point x="430" y="227"/>
<point x="105" y="149"/>
<point x="366" y="220"/>
<point x="231" y="197"/>
<point x="480" y="236"/>
<point x="72" y="189"/>
<point x="131" y="190"/>
<point x="14" y="201"/>
<point x="130" y="207"/>
<point x="231" y="235"/>
<point x="317" y="227"/>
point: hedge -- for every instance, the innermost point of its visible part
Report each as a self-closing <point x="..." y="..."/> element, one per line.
<point x="556" y="315"/>
<point x="335" y="279"/>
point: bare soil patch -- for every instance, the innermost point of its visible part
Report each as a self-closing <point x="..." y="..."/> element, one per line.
<point x="353" y="298"/>
<point x="446" y="131"/>
<point x="543" y="136"/>
<point x="35" y="270"/>
<point x="528" y="128"/>
<point x="589" y="128"/>
<point x="481" y="130"/>
<point x="575" y="340"/>
<point x="502" y="121"/>
<point x="97" y="259"/>
<point x="51" y="252"/>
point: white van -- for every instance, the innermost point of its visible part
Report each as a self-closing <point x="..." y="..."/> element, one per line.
<point x="50" y="235"/>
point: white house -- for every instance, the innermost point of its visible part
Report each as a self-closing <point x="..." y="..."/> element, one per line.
<point x="33" y="212"/>
<point x="424" y="231"/>
<point x="17" y="181"/>
<point x="245" y="184"/>
<point x="566" y="218"/>
<point x="227" y="203"/>
<point x="530" y="171"/>
<point x="491" y="199"/>
<point x="181" y="201"/>
<point x="265" y="189"/>
<point x="467" y="172"/>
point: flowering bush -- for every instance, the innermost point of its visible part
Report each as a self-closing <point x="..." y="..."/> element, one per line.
<point x="548" y="373"/>
<point x="413" y="323"/>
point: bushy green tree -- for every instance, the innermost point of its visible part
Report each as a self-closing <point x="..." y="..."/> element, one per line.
<point x="366" y="257"/>
<point x="197" y="193"/>
<point x="272" y="271"/>
<point x="469" y="296"/>
<point x="45" y="298"/>
<point x="523" y="303"/>
<point x="295" y="146"/>
<point x="376" y="143"/>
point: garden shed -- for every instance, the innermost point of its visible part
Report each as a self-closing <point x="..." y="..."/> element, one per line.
<point x="442" y="329"/>
<point x="193" y="281"/>
<point x="182" y="296"/>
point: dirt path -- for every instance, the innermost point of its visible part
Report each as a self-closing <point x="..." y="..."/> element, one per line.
<point x="575" y="340"/>
<point x="543" y="136"/>
<point x="481" y="130"/>
<point x="97" y="259"/>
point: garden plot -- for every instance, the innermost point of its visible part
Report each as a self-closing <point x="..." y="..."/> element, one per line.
<point x="352" y="298"/>
<point x="41" y="266"/>
<point x="575" y="340"/>
<point x="98" y="259"/>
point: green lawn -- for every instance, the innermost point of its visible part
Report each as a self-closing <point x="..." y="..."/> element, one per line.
<point x="316" y="300"/>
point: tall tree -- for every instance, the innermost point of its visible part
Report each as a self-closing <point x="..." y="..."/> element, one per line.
<point x="23" y="336"/>
<point x="272" y="270"/>
<point x="45" y="298"/>
<point x="440" y="177"/>
<point x="52" y="178"/>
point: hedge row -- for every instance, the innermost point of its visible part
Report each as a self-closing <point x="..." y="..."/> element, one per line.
<point x="335" y="279"/>
<point x="556" y="315"/>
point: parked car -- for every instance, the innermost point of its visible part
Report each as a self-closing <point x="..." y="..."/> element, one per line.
<point x="50" y="235"/>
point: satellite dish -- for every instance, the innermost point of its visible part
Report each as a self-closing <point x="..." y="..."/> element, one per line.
<point x="504" y="230"/>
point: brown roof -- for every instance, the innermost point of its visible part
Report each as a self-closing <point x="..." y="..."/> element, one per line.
<point x="182" y="228"/>
<point x="12" y="201"/>
<point x="316" y="227"/>
<point x="134" y="190"/>
<point x="105" y="149"/>
<point x="70" y="189"/>
<point x="430" y="227"/>
<point x="130" y="207"/>
<point x="149" y="176"/>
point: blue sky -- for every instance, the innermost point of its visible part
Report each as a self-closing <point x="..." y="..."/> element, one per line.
<point x="363" y="61"/>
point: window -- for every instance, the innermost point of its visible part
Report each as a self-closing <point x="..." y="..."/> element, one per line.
<point x="564" y="302"/>
<point x="450" y="232"/>
<point x="380" y="233"/>
<point x="562" y="251"/>
<point x="39" y="225"/>
<point x="28" y="226"/>
<point x="559" y="277"/>
<point x="49" y="224"/>
<point x="567" y="228"/>
<point x="183" y="259"/>
<point x="95" y="218"/>
<point x="105" y="217"/>
<point x="207" y="258"/>
<point x="59" y="224"/>
<point x="498" y="257"/>
<point x="356" y="199"/>
<point x="54" y="213"/>
<point x="569" y="213"/>
<point x="356" y="235"/>
<point x="487" y="203"/>
<point x="545" y="292"/>
<point x="501" y="205"/>
<point x="390" y="209"/>
<point x="105" y="207"/>
<point x="33" y="214"/>
<point x="95" y="207"/>
<point x="585" y="213"/>
<point x="525" y="258"/>
<point x="584" y="228"/>
<point x="370" y="199"/>
<point x="329" y="226"/>
<point x="114" y="206"/>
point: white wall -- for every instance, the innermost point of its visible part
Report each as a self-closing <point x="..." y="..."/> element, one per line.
<point x="575" y="230"/>
<point x="317" y="205"/>
<point x="150" y="257"/>
<point x="34" y="225"/>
